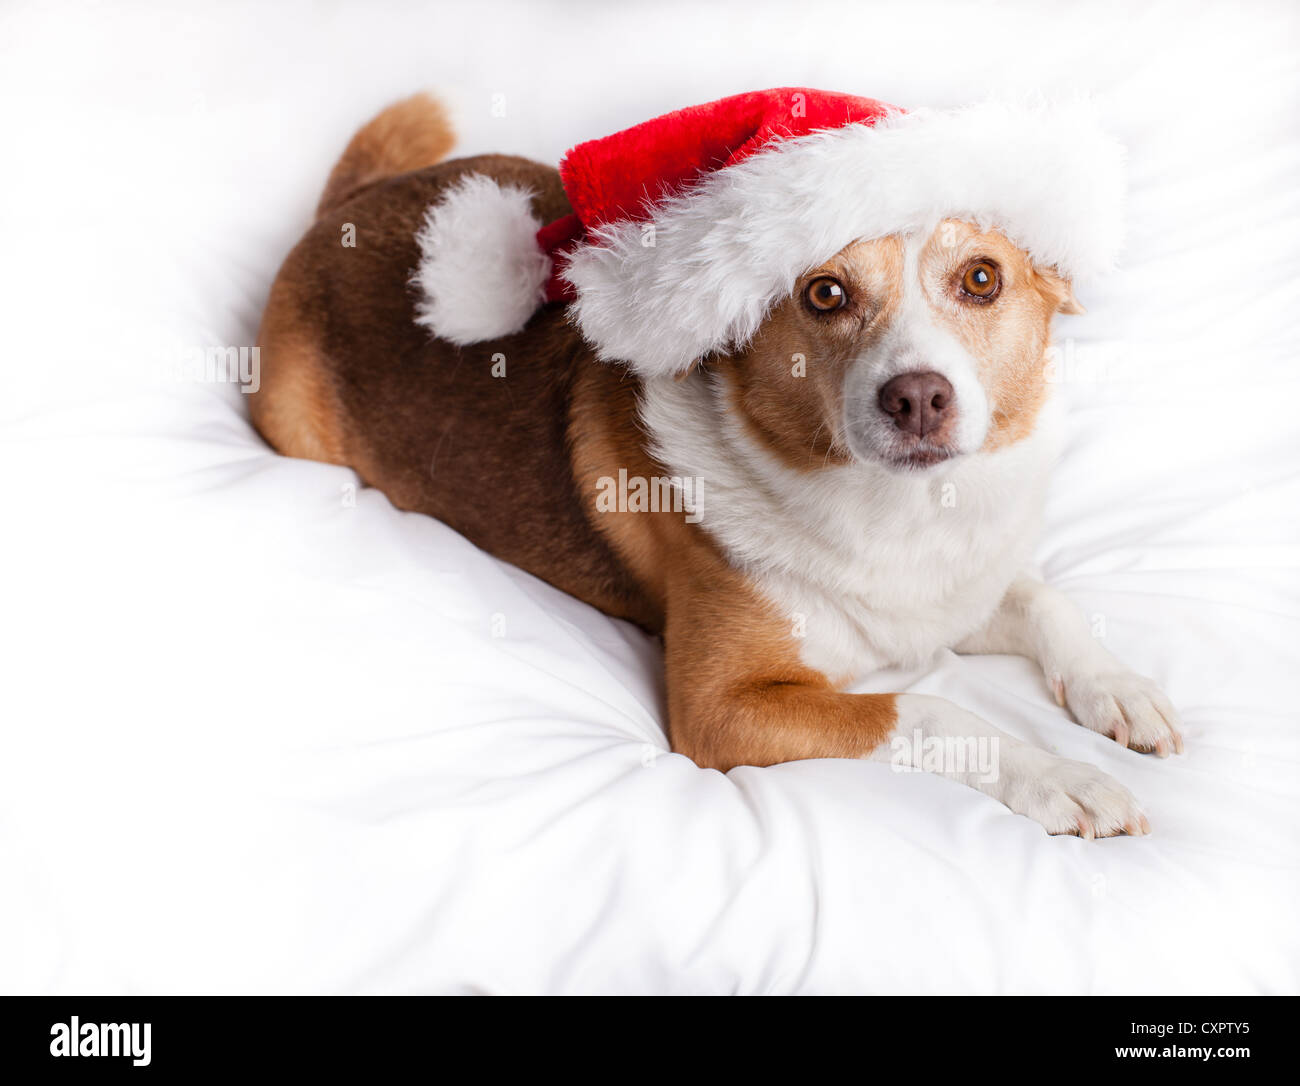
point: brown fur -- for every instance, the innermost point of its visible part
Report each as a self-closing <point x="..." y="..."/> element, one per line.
<point x="426" y="422"/>
<point x="512" y="462"/>
<point x="737" y="691"/>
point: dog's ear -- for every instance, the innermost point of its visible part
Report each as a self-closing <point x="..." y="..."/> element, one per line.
<point x="1070" y="304"/>
<point x="1058" y="291"/>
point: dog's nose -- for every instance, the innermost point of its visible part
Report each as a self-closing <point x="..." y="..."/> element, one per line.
<point x="918" y="402"/>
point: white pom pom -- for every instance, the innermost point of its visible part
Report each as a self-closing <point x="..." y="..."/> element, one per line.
<point x="481" y="272"/>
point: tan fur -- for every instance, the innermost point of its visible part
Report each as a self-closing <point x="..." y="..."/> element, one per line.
<point x="296" y="408"/>
<point x="604" y="436"/>
<point x="409" y="135"/>
<point x="1007" y="337"/>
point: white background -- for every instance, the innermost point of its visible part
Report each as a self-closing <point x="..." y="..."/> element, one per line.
<point x="254" y="739"/>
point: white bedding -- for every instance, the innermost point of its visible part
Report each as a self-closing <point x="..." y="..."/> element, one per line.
<point x="259" y="737"/>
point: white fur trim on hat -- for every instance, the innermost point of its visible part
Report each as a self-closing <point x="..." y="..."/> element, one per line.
<point x="724" y="250"/>
<point x="481" y="273"/>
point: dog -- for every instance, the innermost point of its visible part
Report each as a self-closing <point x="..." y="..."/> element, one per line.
<point x="848" y="476"/>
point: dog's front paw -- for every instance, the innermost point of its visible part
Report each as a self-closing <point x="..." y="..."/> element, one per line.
<point x="1128" y="707"/>
<point x="1070" y="797"/>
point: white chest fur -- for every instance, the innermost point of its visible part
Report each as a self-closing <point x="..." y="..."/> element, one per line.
<point x="871" y="567"/>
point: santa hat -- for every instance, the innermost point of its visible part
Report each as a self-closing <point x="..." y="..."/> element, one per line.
<point x="687" y="228"/>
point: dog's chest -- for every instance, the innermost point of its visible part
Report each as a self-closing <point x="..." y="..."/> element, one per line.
<point x="910" y="572"/>
<point x="869" y="568"/>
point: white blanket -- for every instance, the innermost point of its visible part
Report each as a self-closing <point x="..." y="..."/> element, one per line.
<point x="262" y="732"/>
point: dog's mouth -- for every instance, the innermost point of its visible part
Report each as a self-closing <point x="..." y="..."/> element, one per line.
<point x="899" y="453"/>
<point x="919" y="458"/>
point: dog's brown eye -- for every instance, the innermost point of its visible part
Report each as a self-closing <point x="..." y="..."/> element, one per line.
<point x="825" y="294"/>
<point x="981" y="281"/>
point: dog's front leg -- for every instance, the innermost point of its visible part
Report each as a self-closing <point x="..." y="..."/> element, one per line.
<point x="739" y="694"/>
<point x="1037" y="621"/>
<point x="1061" y="795"/>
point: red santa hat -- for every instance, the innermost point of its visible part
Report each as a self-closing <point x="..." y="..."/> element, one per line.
<point x="687" y="228"/>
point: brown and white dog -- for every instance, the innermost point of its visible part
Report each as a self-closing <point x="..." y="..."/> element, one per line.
<point x="851" y="474"/>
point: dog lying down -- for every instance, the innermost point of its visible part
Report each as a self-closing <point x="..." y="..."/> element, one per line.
<point x="765" y="377"/>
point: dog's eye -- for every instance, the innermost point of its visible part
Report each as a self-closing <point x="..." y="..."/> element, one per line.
<point x="824" y="294"/>
<point x="981" y="281"/>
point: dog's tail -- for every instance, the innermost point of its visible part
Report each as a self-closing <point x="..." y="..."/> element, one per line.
<point x="408" y="135"/>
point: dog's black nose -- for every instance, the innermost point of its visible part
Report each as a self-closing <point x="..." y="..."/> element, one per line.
<point x="918" y="402"/>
